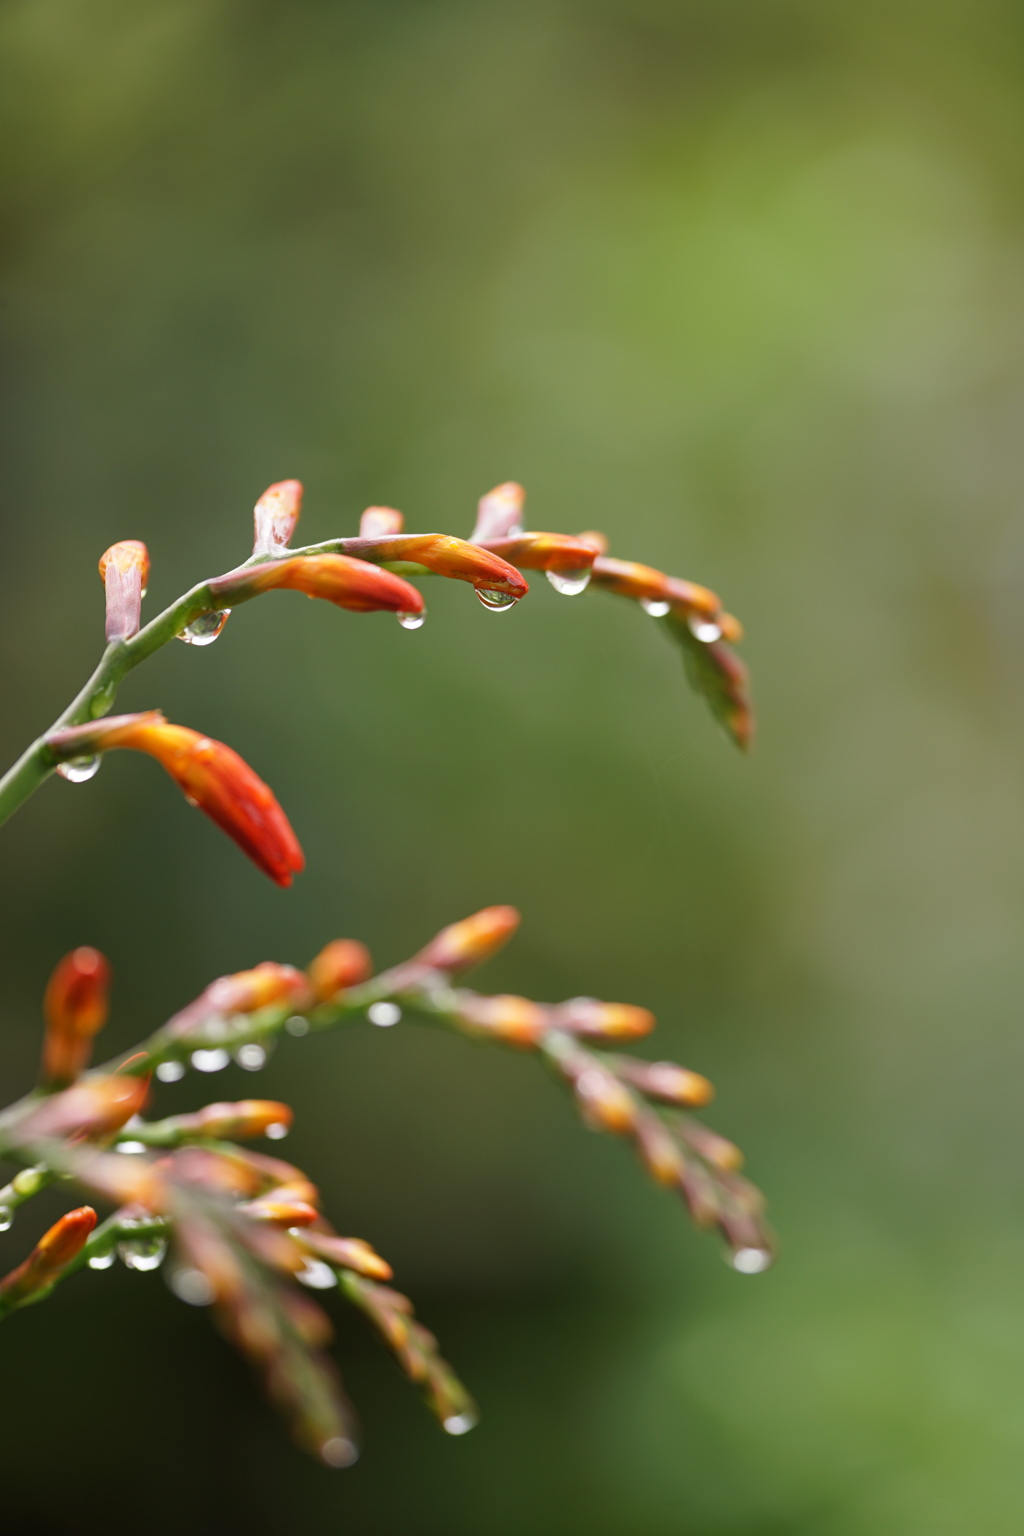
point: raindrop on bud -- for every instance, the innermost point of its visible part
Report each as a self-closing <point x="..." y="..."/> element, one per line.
<point x="317" y="1275"/>
<point x="251" y="1057"/>
<point x="102" y="1260"/>
<point x="78" y="769"/>
<point x="191" y="1286"/>
<point x="655" y="606"/>
<point x="384" y="1014"/>
<point x="205" y="629"/>
<point x="494" y="601"/>
<point x="276" y="1131"/>
<point x="412" y="620"/>
<point x="461" y="1423"/>
<point x="171" y="1071"/>
<point x="338" y="1452"/>
<point x="750" y="1261"/>
<point x="142" y="1253"/>
<point x="131" y="1147"/>
<point x="6" y="1218"/>
<point x="704" y="629"/>
<point x="570" y="583"/>
<point x="210" y="1061"/>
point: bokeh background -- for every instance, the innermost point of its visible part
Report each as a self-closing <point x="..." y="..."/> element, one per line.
<point x="742" y="284"/>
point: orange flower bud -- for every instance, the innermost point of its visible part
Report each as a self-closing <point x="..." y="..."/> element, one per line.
<point x="445" y="556"/>
<point x="714" y="1149"/>
<point x="731" y="628"/>
<point x="660" y="1153"/>
<point x="598" y="542"/>
<point x="348" y="1252"/>
<point x="281" y="1213"/>
<point x="380" y="523"/>
<point x="121" y="1180"/>
<point x="471" y="941"/>
<point x="515" y="1020"/>
<point x="342" y="963"/>
<point x="646" y="585"/>
<point x="591" y="1020"/>
<point x="543" y="552"/>
<point x="124" y="569"/>
<point x="55" y="1249"/>
<point x="230" y="1122"/>
<point x="664" y="1081"/>
<point x="75" y="1007"/>
<point x="266" y="984"/>
<point x="354" y="584"/>
<point x="211" y="775"/>
<point x="606" y="1103"/>
<point x="499" y="513"/>
<point x="275" y="516"/>
<point x="95" y="1106"/>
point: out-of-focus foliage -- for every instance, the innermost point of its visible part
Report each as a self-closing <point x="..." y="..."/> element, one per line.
<point x="740" y="284"/>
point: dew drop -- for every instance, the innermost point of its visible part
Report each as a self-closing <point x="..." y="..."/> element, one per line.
<point x="655" y="606"/>
<point x="191" y="1286"/>
<point x="412" y="620"/>
<point x="384" y="1014"/>
<point x="142" y="1253"/>
<point x="704" y="629"/>
<point x="132" y="1148"/>
<point x="251" y="1057"/>
<point x="6" y="1218"/>
<point x="210" y="1061"/>
<point x="171" y="1071"/>
<point x="102" y="1260"/>
<point x="297" y="1025"/>
<point x="750" y="1261"/>
<point x="317" y="1275"/>
<point x="338" y="1452"/>
<point x="205" y="629"/>
<point x="461" y="1423"/>
<point x="570" y="583"/>
<point x="496" y="602"/>
<point x="78" y="769"/>
<point x="276" y="1131"/>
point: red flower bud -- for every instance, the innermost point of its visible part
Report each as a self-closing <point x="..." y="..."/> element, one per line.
<point x="55" y="1249"/>
<point x="380" y="523"/>
<point x="75" y="1007"/>
<point x="212" y="776"/>
<point x="125" y="570"/>
<point x="354" y="584"/>
<point x="275" y="516"/>
<point x="471" y="941"/>
<point x="445" y="556"/>
<point x="499" y="513"/>
<point x="341" y="964"/>
<point x="661" y="1156"/>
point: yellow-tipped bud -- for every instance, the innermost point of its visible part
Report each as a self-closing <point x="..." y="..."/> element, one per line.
<point x="472" y="941"/>
<point x="515" y="1020"/>
<point x="592" y="1020"/>
<point x="667" y="1083"/>
<point x="231" y="1122"/>
<point x="281" y="1213"/>
<point x="714" y="1149"/>
<point x="341" y="964"/>
<point x="349" y="1253"/>
<point x="660" y="1153"/>
<point x="607" y="1104"/>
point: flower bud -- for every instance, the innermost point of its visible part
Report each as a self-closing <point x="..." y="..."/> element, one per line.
<point x="591" y="1020"/>
<point x="543" y="552"/>
<point x="471" y="941"/>
<point x="380" y="523"/>
<point x="55" y="1249"/>
<point x="445" y="556"/>
<point x="347" y="1252"/>
<point x="232" y="1122"/>
<point x="95" y="1106"/>
<point x="341" y="964"/>
<point x="281" y="1213"/>
<point x="606" y="1104"/>
<point x="75" y="1008"/>
<point x="660" y="1153"/>
<point x="644" y="584"/>
<point x="499" y="513"/>
<point x="124" y="569"/>
<point x="354" y="584"/>
<point x="598" y="542"/>
<point x="275" y="516"/>
<point x="714" y="1149"/>
<point x="665" y="1082"/>
<point x="515" y="1020"/>
<point x="266" y="984"/>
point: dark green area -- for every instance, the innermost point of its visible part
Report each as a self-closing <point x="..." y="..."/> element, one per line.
<point x="743" y="285"/>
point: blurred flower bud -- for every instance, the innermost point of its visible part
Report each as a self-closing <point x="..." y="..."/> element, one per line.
<point x="660" y="1153"/>
<point x="124" y="569"/>
<point x="356" y="585"/>
<point x="515" y="1020"/>
<point x="121" y="1180"/>
<point x="445" y="556"/>
<point x="266" y="984"/>
<point x="210" y="774"/>
<point x="75" y="1007"/>
<point x="598" y="542"/>
<point x="714" y="1149"/>
<point x="592" y="1020"/>
<point x="275" y="516"/>
<point x="699" y="1193"/>
<point x="347" y="1252"/>
<point x="471" y="941"/>
<point x="94" y="1106"/>
<point x="606" y="1104"/>
<point x="499" y="513"/>
<point x="310" y="1322"/>
<point x="380" y="523"/>
<point x="730" y="627"/>
<point x="55" y="1249"/>
<point x="231" y="1122"/>
<point x="341" y="964"/>
<point x="281" y="1212"/>
<point x="664" y="1081"/>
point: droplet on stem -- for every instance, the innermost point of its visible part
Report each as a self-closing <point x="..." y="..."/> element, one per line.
<point x="461" y="1423"/>
<point x="102" y="1260"/>
<point x="210" y="1061"/>
<point x="750" y="1261"/>
<point x="570" y="583"/>
<point x="297" y="1025"/>
<point x="704" y="629"/>
<point x="317" y="1275"/>
<point x="412" y="620"/>
<point x="338" y="1452"/>
<point x="171" y="1071"/>
<point x="142" y="1253"/>
<point x="251" y="1057"/>
<point x="205" y="629"/>
<point x="495" y="601"/>
<point x="657" y="607"/>
<point x="6" y="1218"/>
<point x="384" y="1014"/>
<point x="78" y="769"/>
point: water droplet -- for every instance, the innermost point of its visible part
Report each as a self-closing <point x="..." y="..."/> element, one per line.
<point x="655" y="606"/>
<point x="133" y="1148"/>
<point x="496" y="602"/>
<point x="384" y="1014"/>
<point x="277" y="1131"/>
<point x="171" y="1071"/>
<point x="205" y="629"/>
<point x="750" y="1261"/>
<point x="297" y="1025"/>
<point x="210" y="1061"/>
<point x="251" y="1057"/>
<point x="191" y="1286"/>
<point x="142" y="1253"/>
<point x="570" y="583"/>
<point x="6" y="1218"/>
<point x="704" y="629"/>
<point x="461" y="1423"/>
<point x="338" y="1452"/>
<point x="317" y="1275"/>
<point x="412" y="620"/>
<point x="78" y="769"/>
<point x="102" y="1260"/>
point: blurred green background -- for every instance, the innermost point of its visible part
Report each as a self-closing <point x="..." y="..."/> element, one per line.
<point x="743" y="284"/>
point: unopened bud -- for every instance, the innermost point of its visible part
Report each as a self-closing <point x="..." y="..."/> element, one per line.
<point x="607" y="1104"/>
<point x="231" y="1122"/>
<point x="55" y="1249"/>
<point x="275" y="516"/>
<point x="665" y="1082"/>
<point x="75" y="1007"/>
<point x="380" y="523"/>
<point x="598" y="541"/>
<point x="349" y="1253"/>
<point x="124" y="569"/>
<point x="591" y="1020"/>
<point x="714" y="1149"/>
<point x="96" y="1106"/>
<point x="281" y="1213"/>
<point x="659" y="1151"/>
<point x="248" y="991"/>
<point x="500" y="512"/>
<point x="341" y="964"/>
<point x="471" y="941"/>
<point x="515" y="1020"/>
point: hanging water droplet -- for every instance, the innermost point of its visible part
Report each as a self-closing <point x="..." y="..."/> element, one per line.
<point x="171" y="1071"/>
<point x="78" y="769"/>
<point x="132" y="1148"/>
<point x="297" y="1025"/>
<point x="251" y="1057"/>
<point x="6" y="1218"/>
<point x="277" y="1131"/>
<point x="461" y="1423"/>
<point x="750" y="1261"/>
<point x="191" y="1286"/>
<point x="704" y="629"/>
<point x="384" y="1014"/>
<point x="102" y="1260"/>
<point x="338" y="1452"/>
<point x="205" y="629"/>
<point x="210" y="1061"/>
<point x="317" y="1275"/>
<point x="412" y="620"/>
<point x="142" y="1253"/>
<point x="495" y="601"/>
<point x="655" y="606"/>
<point x="570" y="583"/>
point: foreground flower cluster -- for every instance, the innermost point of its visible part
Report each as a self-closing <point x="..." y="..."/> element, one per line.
<point x="245" y="1230"/>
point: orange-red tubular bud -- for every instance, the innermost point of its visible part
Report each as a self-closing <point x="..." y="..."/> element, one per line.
<point x="281" y="1213"/>
<point x="606" y="1103"/>
<point x="275" y="516"/>
<point x="667" y="1083"/>
<point x="96" y="1106"/>
<point x="471" y="941"/>
<point x="266" y="984"/>
<point x="646" y="585"/>
<point x="499" y="513"/>
<point x="348" y="1253"/>
<point x="445" y="556"/>
<point x="211" y="775"/>
<point x="714" y="1149"/>
<point x="75" y="1007"/>
<point x="380" y="523"/>
<point x="661" y="1156"/>
<point x="230" y="1122"/>
<point x="592" y="1020"/>
<point x="543" y="551"/>
<point x="125" y="570"/>
<point x="354" y="584"/>
<point x="515" y="1020"/>
<point x="342" y="963"/>
<point x="598" y="542"/>
<point x="55" y="1249"/>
